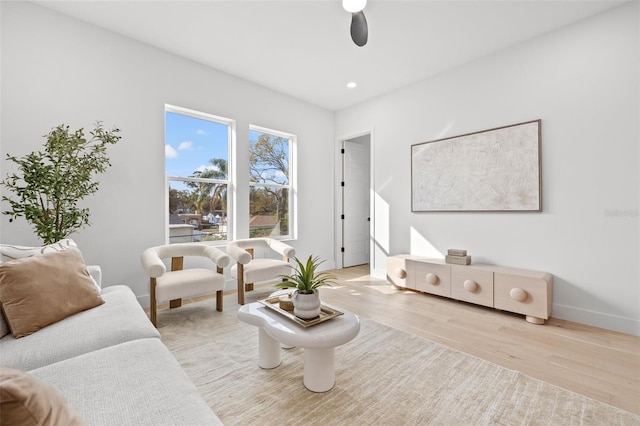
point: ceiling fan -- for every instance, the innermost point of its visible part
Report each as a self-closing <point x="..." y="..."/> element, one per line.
<point x="359" y="29"/>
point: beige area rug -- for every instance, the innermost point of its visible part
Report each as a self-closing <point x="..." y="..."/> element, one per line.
<point x="383" y="377"/>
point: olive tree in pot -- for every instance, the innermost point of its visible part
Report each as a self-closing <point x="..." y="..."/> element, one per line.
<point x="48" y="185"/>
<point x="306" y="279"/>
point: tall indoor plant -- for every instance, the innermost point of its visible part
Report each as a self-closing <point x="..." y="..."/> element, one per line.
<point x="48" y="185"/>
<point x="306" y="279"/>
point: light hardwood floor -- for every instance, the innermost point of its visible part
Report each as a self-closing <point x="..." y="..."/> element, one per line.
<point x="601" y="364"/>
<point x="598" y="363"/>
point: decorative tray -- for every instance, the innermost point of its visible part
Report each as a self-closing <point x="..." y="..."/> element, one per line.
<point x="326" y="313"/>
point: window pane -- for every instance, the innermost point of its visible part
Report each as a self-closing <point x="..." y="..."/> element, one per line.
<point x="198" y="212"/>
<point x="196" y="154"/>
<point x="268" y="158"/>
<point x="269" y="211"/>
<point x="195" y="147"/>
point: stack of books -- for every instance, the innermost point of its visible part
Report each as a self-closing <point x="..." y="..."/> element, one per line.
<point x="457" y="257"/>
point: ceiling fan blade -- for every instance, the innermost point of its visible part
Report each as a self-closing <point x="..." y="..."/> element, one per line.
<point x="359" y="30"/>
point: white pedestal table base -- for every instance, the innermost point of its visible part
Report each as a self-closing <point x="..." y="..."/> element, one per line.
<point x="318" y="342"/>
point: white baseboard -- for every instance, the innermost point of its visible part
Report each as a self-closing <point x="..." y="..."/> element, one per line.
<point x="379" y="273"/>
<point x="564" y="312"/>
<point x="229" y="285"/>
<point x="596" y="319"/>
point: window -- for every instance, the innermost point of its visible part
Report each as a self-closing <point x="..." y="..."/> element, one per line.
<point x="270" y="183"/>
<point x="197" y="152"/>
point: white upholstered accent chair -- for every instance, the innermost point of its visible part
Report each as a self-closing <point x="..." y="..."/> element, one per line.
<point x="249" y="270"/>
<point x="180" y="283"/>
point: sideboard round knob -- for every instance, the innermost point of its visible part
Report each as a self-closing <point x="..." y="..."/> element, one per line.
<point x="518" y="294"/>
<point x="401" y="273"/>
<point x="432" y="278"/>
<point x="470" y="286"/>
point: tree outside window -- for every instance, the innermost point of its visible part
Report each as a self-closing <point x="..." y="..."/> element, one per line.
<point x="270" y="183"/>
<point x="197" y="155"/>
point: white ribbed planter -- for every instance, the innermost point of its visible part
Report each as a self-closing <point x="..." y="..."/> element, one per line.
<point x="306" y="306"/>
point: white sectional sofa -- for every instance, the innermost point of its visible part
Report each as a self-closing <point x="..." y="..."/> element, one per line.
<point x="110" y="365"/>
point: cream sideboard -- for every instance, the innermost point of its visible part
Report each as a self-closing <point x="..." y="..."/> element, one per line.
<point x="525" y="292"/>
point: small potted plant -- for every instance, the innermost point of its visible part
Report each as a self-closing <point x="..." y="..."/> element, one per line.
<point x="306" y="279"/>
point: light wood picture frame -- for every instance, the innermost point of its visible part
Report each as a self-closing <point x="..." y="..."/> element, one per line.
<point x="492" y="170"/>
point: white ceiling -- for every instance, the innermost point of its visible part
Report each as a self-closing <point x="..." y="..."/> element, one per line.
<point x="303" y="48"/>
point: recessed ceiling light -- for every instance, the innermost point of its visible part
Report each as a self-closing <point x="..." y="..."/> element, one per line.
<point x="351" y="84"/>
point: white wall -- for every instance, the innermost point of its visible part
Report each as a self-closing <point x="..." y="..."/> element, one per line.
<point x="58" y="70"/>
<point x="582" y="81"/>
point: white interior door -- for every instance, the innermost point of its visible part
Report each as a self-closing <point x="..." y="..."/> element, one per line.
<point x="355" y="201"/>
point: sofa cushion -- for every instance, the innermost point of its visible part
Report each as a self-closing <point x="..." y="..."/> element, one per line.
<point x="119" y="319"/>
<point x="26" y="401"/>
<point x="133" y="383"/>
<point x="40" y="290"/>
<point x="10" y="252"/>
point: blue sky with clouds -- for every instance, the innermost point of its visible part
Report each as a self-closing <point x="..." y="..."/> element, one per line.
<point x="191" y="142"/>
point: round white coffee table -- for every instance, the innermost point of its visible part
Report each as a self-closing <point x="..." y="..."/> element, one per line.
<point x="319" y="341"/>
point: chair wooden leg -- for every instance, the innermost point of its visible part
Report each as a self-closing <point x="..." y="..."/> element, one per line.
<point x="240" y="284"/>
<point x="219" y="300"/>
<point x="219" y="293"/>
<point x="177" y="263"/>
<point x="152" y="297"/>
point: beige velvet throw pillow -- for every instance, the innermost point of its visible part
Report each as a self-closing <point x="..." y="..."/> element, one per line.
<point x="27" y="401"/>
<point x="41" y="290"/>
<point x="9" y="252"/>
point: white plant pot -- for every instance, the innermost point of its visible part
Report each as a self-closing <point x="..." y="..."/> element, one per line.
<point x="306" y="306"/>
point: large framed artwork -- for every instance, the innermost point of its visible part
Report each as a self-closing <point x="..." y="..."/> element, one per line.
<point x="491" y="170"/>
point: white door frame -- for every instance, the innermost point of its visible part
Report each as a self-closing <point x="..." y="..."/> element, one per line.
<point x="338" y="194"/>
